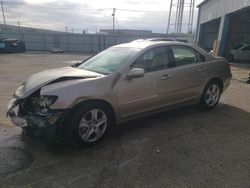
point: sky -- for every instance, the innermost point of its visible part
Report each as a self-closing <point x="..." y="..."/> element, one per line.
<point x="91" y="15"/>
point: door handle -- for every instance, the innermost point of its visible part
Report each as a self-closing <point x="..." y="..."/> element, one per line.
<point x="167" y="76"/>
<point x="202" y="69"/>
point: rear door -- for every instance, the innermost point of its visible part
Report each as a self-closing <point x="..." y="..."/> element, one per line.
<point x="185" y="76"/>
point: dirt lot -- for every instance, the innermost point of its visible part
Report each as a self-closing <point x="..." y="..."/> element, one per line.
<point x="186" y="147"/>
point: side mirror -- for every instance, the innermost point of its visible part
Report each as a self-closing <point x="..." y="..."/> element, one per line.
<point x="135" y="73"/>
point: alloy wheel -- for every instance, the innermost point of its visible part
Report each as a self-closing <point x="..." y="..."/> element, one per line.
<point x="92" y="125"/>
<point x="212" y="95"/>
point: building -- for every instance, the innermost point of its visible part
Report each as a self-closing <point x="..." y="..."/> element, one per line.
<point x="126" y="31"/>
<point x="47" y="40"/>
<point x="20" y="29"/>
<point x="223" y="24"/>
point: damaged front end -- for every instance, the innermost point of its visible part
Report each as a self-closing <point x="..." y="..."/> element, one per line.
<point x="34" y="113"/>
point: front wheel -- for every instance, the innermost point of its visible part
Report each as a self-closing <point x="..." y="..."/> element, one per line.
<point x="211" y="95"/>
<point x="90" y="123"/>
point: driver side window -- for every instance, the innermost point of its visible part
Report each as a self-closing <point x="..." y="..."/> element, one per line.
<point x="153" y="60"/>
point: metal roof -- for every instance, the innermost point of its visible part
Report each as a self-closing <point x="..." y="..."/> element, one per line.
<point x="202" y="3"/>
<point x="214" y="9"/>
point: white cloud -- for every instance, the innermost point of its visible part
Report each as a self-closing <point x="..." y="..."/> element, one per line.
<point x="91" y="14"/>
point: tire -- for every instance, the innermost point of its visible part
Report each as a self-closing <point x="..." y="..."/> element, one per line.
<point x="211" y="95"/>
<point x="230" y="58"/>
<point x="28" y="131"/>
<point x="90" y="123"/>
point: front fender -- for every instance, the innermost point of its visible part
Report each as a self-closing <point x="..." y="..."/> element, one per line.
<point x="73" y="92"/>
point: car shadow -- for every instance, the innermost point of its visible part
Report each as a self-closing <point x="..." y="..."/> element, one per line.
<point x="174" y="136"/>
<point x="192" y="118"/>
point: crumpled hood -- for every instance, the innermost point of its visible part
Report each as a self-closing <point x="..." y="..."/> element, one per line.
<point x="46" y="77"/>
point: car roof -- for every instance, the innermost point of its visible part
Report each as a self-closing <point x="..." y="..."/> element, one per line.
<point x="151" y="44"/>
<point x="154" y="39"/>
<point x="161" y="39"/>
<point x="8" y="39"/>
<point x="146" y="43"/>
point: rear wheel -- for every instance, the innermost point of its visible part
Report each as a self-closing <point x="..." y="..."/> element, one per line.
<point x="211" y="95"/>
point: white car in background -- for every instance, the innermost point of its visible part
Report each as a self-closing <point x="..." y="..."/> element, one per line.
<point x="240" y="53"/>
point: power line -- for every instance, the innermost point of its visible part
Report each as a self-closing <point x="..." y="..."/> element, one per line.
<point x="143" y="11"/>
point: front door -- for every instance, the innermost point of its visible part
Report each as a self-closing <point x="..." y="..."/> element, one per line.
<point x="140" y="94"/>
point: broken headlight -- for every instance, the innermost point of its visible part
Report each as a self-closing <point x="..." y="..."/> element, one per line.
<point x="47" y="101"/>
<point x="43" y="103"/>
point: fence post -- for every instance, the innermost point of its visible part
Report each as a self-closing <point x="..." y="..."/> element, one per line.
<point x="99" y="43"/>
<point x="67" y="38"/>
<point x="44" y="42"/>
<point x="104" y="42"/>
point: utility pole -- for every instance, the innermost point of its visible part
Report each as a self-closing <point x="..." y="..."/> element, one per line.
<point x="66" y="28"/>
<point x="169" y="17"/>
<point x="4" y="21"/>
<point x="179" y="6"/>
<point x="113" y="14"/>
<point x="191" y="16"/>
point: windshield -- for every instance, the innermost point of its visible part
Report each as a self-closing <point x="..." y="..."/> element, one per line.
<point x="237" y="46"/>
<point x="109" y="60"/>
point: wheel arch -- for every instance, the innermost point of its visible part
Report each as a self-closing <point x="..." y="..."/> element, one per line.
<point x="214" y="79"/>
<point x="105" y="103"/>
<point x="217" y="80"/>
<point x="66" y="130"/>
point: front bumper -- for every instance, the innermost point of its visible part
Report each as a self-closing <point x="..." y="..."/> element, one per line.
<point x="24" y="119"/>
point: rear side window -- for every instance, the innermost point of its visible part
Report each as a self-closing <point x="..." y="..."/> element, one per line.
<point x="185" y="55"/>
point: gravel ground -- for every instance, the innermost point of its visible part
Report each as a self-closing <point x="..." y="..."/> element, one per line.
<point x="185" y="147"/>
